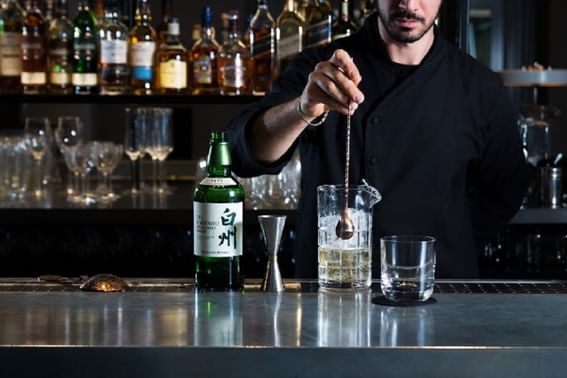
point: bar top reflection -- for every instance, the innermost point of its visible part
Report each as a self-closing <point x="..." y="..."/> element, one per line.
<point x="288" y="320"/>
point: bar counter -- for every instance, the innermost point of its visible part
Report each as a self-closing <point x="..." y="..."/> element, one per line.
<point x="165" y="329"/>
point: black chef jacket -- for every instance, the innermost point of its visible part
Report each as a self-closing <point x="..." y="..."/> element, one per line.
<point x="439" y="141"/>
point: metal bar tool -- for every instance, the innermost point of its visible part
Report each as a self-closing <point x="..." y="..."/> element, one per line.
<point x="272" y="227"/>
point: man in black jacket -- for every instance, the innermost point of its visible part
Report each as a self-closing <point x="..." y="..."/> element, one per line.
<point x="432" y="130"/>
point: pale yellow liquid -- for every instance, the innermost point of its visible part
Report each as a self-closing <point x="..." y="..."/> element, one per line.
<point x="346" y="268"/>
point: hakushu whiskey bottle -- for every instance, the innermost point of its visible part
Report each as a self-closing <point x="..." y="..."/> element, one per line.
<point x="218" y="210"/>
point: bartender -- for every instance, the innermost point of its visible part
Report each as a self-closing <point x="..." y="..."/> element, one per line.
<point x="432" y="130"/>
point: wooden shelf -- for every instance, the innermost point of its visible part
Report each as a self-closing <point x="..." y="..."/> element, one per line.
<point x="183" y="99"/>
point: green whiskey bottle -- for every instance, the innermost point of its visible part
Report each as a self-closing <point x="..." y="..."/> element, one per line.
<point x="85" y="52"/>
<point x="218" y="210"/>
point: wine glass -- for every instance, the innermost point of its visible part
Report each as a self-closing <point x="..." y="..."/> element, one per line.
<point x="85" y="163"/>
<point x="134" y="142"/>
<point x="106" y="156"/>
<point x="160" y="144"/>
<point x="70" y="158"/>
<point x="36" y="133"/>
<point x="69" y="132"/>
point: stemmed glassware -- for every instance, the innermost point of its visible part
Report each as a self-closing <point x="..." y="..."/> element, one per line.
<point x="37" y="131"/>
<point x="68" y="133"/>
<point x="160" y="145"/>
<point x="106" y="156"/>
<point x="134" y="142"/>
<point x="83" y="158"/>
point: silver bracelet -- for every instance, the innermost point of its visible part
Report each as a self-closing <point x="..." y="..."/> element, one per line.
<point x="302" y="115"/>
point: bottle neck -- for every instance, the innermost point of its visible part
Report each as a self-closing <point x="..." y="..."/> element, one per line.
<point x="208" y="33"/>
<point x="61" y="9"/>
<point x="172" y="37"/>
<point x="289" y="6"/>
<point x="112" y="13"/>
<point x="345" y="14"/>
<point x="32" y="6"/>
<point x="219" y="160"/>
<point x="143" y="13"/>
<point x="233" y="33"/>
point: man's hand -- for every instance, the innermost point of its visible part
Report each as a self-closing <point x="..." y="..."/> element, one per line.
<point x="331" y="86"/>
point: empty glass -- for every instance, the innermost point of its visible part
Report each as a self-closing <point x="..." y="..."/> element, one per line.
<point x="70" y="158"/>
<point x="106" y="156"/>
<point x="159" y="145"/>
<point x="37" y="131"/>
<point x="69" y="132"/>
<point x="134" y="142"/>
<point x="408" y="267"/>
<point x="83" y="157"/>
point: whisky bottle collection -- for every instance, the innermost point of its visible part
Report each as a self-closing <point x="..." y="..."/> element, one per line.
<point x="43" y="50"/>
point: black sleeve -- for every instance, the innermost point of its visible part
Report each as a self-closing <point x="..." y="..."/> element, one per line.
<point x="287" y="86"/>
<point x="498" y="182"/>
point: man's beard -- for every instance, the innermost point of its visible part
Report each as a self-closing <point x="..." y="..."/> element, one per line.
<point x="399" y="34"/>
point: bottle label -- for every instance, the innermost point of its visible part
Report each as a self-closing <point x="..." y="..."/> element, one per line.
<point x="84" y="46"/>
<point x="319" y="34"/>
<point x="203" y="70"/>
<point x="10" y="58"/>
<point x="234" y="73"/>
<point x="33" y="78"/>
<point x="217" y="181"/>
<point x="142" y="73"/>
<point x="59" y="78"/>
<point x="113" y="52"/>
<point x="262" y="45"/>
<point x="142" y="54"/>
<point x="173" y="74"/>
<point x="289" y="46"/>
<point x="218" y="229"/>
<point x="59" y="53"/>
<point x="84" y="79"/>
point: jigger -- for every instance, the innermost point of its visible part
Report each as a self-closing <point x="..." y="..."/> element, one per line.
<point x="272" y="227"/>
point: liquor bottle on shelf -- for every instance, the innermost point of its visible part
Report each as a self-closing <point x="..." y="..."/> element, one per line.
<point x="172" y="61"/>
<point x="204" y="54"/>
<point x="60" y="53"/>
<point x="167" y="13"/>
<point x="319" y="23"/>
<point x="289" y="34"/>
<point x="142" y="49"/>
<point x="34" y="58"/>
<point x="11" y="23"/>
<point x="85" y="53"/>
<point x="235" y="63"/>
<point x="113" y="42"/>
<point x="344" y="26"/>
<point x="218" y="210"/>
<point x="263" y="48"/>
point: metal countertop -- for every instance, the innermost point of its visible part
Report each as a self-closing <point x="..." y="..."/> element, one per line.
<point x="248" y="332"/>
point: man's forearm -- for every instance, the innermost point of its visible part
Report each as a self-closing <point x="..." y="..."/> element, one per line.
<point x="275" y="131"/>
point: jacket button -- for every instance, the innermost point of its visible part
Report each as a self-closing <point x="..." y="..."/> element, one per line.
<point x="375" y="120"/>
<point x="373" y="160"/>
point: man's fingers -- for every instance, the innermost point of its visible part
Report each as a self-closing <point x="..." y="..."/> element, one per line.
<point x="343" y="61"/>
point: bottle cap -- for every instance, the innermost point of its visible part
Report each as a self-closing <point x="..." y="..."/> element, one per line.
<point x="173" y="26"/>
<point x="207" y="17"/>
